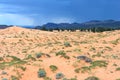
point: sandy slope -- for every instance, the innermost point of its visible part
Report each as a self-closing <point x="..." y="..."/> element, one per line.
<point x="20" y="42"/>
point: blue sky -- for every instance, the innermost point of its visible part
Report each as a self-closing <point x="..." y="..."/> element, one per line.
<point x="38" y="12"/>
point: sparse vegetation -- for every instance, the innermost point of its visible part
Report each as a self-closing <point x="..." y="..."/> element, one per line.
<point x="83" y="53"/>
<point x="99" y="63"/>
<point x="67" y="44"/>
<point x="97" y="55"/>
<point x="41" y="73"/>
<point x="1" y="59"/>
<point x="85" y="69"/>
<point x="14" y="78"/>
<point x="118" y="69"/>
<point x="115" y="42"/>
<point x="92" y="78"/>
<point x="22" y="68"/>
<point x="115" y="64"/>
<point x="29" y="56"/>
<point x="53" y="68"/>
<point x="14" y="61"/>
<point x="38" y="55"/>
<point x="59" y="75"/>
<point x="73" y="79"/>
<point x="77" y="70"/>
<point x="62" y="54"/>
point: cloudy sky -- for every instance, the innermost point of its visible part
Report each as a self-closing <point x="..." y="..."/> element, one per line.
<point x="38" y="12"/>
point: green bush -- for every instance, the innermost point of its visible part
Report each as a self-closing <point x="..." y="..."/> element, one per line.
<point x="67" y="44"/>
<point x="53" y="68"/>
<point x="99" y="63"/>
<point x="61" y="53"/>
<point x="38" y="55"/>
<point x="41" y="73"/>
<point x="118" y="69"/>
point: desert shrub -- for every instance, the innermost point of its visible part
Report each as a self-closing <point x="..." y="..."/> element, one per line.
<point x="14" y="78"/>
<point x="4" y="79"/>
<point x="115" y="64"/>
<point x="59" y="75"/>
<point x="47" y="78"/>
<point x="67" y="44"/>
<point x="77" y="70"/>
<point x="92" y="78"/>
<point x="96" y="55"/>
<point x="85" y="69"/>
<point x="115" y="42"/>
<point x="22" y="68"/>
<point x="38" y="55"/>
<point x="118" y="69"/>
<point x="41" y="73"/>
<point x="53" y="68"/>
<point x="92" y="49"/>
<point x="66" y="57"/>
<point x="48" y="55"/>
<point x="61" y="53"/>
<point x="30" y="57"/>
<point x="14" y="61"/>
<point x="14" y="58"/>
<point x="99" y="63"/>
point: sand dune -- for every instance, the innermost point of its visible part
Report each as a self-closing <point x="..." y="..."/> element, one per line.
<point x="27" y="44"/>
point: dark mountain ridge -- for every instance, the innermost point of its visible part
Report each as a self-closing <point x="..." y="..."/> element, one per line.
<point x="4" y="26"/>
<point x="93" y="24"/>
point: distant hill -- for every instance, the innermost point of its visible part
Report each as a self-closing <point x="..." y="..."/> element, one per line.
<point x="93" y="24"/>
<point x="4" y="26"/>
